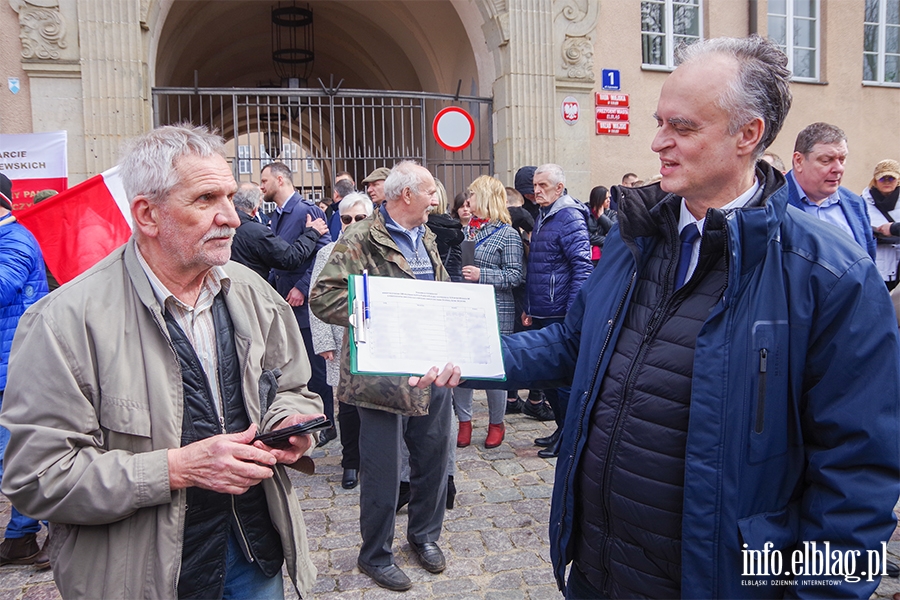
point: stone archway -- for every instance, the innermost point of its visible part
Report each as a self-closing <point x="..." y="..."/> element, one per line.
<point x="370" y="45"/>
<point x="526" y="54"/>
<point x="379" y="47"/>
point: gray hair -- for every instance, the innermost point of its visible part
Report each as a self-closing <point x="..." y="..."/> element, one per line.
<point x="247" y="197"/>
<point x="354" y="198"/>
<point x="148" y="163"/>
<point x="761" y="88"/>
<point x="818" y="133"/>
<point x="343" y="187"/>
<point x="405" y="174"/>
<point x="554" y="173"/>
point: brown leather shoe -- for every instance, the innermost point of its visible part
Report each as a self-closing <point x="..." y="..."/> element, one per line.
<point x="23" y="551"/>
<point x="42" y="560"/>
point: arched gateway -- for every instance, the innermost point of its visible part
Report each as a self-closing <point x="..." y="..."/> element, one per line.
<point x="108" y="70"/>
<point x="325" y="86"/>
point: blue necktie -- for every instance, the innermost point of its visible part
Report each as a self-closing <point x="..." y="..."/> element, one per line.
<point x="688" y="236"/>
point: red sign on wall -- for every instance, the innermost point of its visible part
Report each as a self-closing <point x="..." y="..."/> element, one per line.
<point x="612" y="127"/>
<point x="611" y="114"/>
<point x="610" y="99"/>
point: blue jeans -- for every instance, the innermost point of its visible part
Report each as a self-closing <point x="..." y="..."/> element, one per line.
<point x="19" y="525"/>
<point x="244" y="579"/>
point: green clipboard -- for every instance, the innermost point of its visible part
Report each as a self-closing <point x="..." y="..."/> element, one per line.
<point x="395" y="304"/>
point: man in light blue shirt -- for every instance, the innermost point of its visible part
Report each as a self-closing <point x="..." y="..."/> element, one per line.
<point x="814" y="183"/>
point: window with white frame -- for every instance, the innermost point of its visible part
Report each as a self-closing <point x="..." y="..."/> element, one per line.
<point x="243" y="160"/>
<point x="664" y="25"/>
<point x="794" y="26"/>
<point x="881" y="42"/>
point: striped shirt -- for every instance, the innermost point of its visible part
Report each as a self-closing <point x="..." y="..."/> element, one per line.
<point x="195" y="321"/>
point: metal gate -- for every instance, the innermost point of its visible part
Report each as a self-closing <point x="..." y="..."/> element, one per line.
<point x="319" y="133"/>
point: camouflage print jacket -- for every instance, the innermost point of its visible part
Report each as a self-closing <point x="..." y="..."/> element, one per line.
<point x="368" y="245"/>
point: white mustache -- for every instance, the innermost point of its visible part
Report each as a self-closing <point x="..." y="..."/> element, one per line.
<point x="219" y="232"/>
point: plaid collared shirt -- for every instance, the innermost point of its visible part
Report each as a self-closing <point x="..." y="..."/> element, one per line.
<point x="195" y="321"/>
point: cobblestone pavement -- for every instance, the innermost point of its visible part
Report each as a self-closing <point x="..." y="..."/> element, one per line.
<point x="495" y="539"/>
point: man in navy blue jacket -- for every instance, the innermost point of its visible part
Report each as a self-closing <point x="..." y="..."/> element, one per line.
<point x="255" y="245"/>
<point x="814" y="183"/>
<point x="736" y="371"/>
<point x="559" y="262"/>
<point x="289" y="222"/>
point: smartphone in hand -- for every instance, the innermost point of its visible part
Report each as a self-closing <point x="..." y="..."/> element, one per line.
<point x="280" y="438"/>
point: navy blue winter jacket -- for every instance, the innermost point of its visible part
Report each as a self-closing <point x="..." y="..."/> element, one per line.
<point x="559" y="259"/>
<point x="289" y="224"/>
<point x="23" y="281"/>
<point x="792" y="435"/>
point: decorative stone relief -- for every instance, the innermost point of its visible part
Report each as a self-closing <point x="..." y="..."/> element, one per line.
<point x="496" y="20"/>
<point x="42" y="28"/>
<point x="574" y="24"/>
<point x="578" y="58"/>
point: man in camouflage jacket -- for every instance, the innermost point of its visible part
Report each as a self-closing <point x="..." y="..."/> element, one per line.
<point x="393" y="242"/>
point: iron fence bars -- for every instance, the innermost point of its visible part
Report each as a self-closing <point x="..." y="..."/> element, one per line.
<point x="319" y="132"/>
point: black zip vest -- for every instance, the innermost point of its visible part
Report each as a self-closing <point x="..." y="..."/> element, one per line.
<point x="629" y="509"/>
<point x="210" y="516"/>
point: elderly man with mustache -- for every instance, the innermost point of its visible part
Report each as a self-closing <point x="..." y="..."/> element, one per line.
<point x="135" y="395"/>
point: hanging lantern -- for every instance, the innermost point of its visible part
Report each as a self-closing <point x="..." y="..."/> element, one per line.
<point x="293" y="50"/>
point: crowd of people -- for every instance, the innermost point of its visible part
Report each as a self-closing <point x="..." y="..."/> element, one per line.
<point x="716" y="346"/>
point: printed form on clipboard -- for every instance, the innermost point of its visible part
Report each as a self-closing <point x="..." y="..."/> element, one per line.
<point x="406" y="326"/>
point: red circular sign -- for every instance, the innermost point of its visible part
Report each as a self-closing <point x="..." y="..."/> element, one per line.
<point x="453" y="129"/>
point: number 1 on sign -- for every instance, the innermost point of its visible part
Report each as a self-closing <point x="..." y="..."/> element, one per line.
<point x="611" y="79"/>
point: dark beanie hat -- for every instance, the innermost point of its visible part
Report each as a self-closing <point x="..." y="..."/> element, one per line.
<point x="5" y="192"/>
<point x="525" y="180"/>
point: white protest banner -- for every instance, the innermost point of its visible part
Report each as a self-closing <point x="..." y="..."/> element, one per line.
<point x="34" y="162"/>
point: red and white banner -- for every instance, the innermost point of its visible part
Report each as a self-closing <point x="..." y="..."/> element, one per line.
<point x="34" y="162"/>
<point x="80" y="226"/>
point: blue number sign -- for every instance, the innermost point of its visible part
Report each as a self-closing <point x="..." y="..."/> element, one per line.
<point x="611" y="79"/>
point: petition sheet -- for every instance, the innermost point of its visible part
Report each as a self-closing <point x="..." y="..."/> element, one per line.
<point x="415" y="325"/>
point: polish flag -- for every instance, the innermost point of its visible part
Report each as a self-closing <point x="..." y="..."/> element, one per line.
<point x="80" y="226"/>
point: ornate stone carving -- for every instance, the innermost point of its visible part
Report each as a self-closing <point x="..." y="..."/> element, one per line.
<point x="42" y="28"/>
<point x="578" y="58"/>
<point x="579" y="16"/>
<point x="575" y="22"/>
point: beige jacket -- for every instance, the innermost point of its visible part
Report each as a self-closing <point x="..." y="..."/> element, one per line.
<point x="95" y="400"/>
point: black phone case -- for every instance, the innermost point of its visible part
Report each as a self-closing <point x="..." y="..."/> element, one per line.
<point x="280" y="437"/>
<point x="468" y="253"/>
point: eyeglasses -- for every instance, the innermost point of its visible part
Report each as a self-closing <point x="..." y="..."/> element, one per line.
<point x="887" y="179"/>
<point x="347" y="219"/>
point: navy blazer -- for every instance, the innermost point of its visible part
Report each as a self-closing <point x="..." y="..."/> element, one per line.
<point x="855" y="212"/>
<point x="289" y="224"/>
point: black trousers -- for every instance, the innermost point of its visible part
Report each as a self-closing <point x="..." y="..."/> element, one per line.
<point x="558" y="398"/>
<point x="348" y="417"/>
<point x="317" y="382"/>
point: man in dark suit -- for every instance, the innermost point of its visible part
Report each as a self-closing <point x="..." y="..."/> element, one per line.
<point x="289" y="221"/>
<point x="256" y="246"/>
